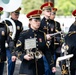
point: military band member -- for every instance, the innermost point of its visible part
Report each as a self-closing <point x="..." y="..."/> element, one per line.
<point x="31" y="65"/>
<point x="45" y="22"/>
<point x="72" y="45"/>
<point x="3" y="39"/>
<point x="73" y="26"/>
<point x="45" y="27"/>
<point x="57" y="38"/>
<point x="14" y="16"/>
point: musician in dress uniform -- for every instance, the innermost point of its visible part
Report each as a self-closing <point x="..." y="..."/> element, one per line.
<point x="70" y="40"/>
<point x="14" y="16"/>
<point x="73" y="26"/>
<point x="3" y="40"/>
<point x="57" y="38"/>
<point x="32" y="65"/>
<point x="47" y="26"/>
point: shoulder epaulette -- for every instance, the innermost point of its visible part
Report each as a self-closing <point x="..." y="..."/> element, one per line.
<point x="25" y="31"/>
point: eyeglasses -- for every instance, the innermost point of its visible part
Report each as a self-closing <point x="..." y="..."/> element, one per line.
<point x="53" y="13"/>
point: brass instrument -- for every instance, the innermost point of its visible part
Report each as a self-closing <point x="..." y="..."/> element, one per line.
<point x="31" y="53"/>
<point x="13" y="25"/>
<point x="65" y="60"/>
<point x="10" y="5"/>
<point x="55" y="33"/>
<point x="37" y="54"/>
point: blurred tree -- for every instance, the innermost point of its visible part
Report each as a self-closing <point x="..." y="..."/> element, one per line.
<point x="29" y="5"/>
<point x="49" y="1"/>
<point x="65" y="7"/>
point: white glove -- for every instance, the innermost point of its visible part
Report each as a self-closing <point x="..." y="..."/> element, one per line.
<point x="54" y="69"/>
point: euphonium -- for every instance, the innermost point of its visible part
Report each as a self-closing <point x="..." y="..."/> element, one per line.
<point x="38" y="54"/>
<point x="31" y="53"/>
<point x="10" y="5"/>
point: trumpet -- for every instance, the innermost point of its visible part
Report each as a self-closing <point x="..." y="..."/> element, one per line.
<point x="55" y="33"/>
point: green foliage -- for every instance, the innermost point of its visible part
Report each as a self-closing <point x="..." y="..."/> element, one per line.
<point x="65" y="7"/>
<point x="29" y="5"/>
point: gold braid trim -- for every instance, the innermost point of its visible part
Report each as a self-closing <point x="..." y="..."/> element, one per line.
<point x="64" y="70"/>
<point x="46" y="40"/>
<point x="45" y="37"/>
<point x="71" y="33"/>
<point x="19" y="44"/>
<point x="8" y="30"/>
<point x="52" y="61"/>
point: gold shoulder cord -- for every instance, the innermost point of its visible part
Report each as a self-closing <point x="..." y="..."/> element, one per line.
<point x="44" y="34"/>
<point x="46" y="40"/>
<point x="48" y="44"/>
<point x="7" y="28"/>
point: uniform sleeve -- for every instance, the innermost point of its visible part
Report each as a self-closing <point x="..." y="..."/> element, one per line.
<point x="18" y="51"/>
